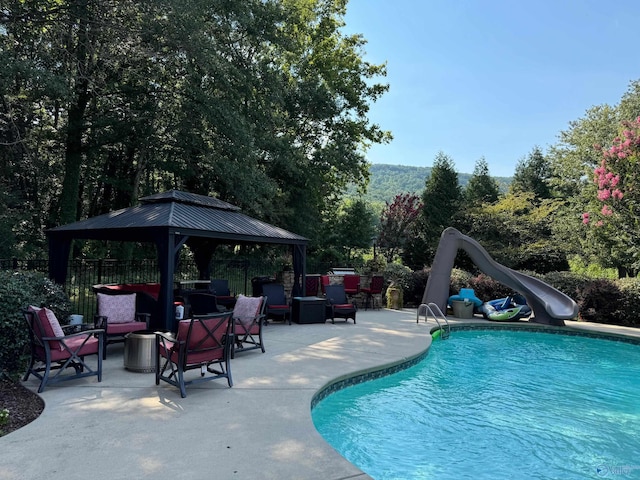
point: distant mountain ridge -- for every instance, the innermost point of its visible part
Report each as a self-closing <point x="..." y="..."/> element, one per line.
<point x="386" y="181"/>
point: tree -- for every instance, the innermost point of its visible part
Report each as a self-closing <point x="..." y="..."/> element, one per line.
<point x="441" y="201"/>
<point x="397" y="222"/>
<point x="532" y="175"/>
<point x="481" y="187"/>
<point x="616" y="213"/>
<point x="262" y="103"/>
<point x="355" y="226"/>
<point x="573" y="161"/>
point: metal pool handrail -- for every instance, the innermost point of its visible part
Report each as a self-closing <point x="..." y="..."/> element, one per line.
<point x="434" y="310"/>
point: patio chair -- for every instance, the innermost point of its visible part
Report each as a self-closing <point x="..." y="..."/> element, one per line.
<point x="324" y="281"/>
<point x="118" y="316"/>
<point x="312" y="283"/>
<point x="220" y="288"/>
<point x="351" y="285"/>
<point x="52" y="350"/>
<point x="277" y="306"/>
<point x="338" y="305"/>
<point x="202" y="343"/>
<point x="374" y="288"/>
<point x="203" y="304"/>
<point x="248" y="315"/>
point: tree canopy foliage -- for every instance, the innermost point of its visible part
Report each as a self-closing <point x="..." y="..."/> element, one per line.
<point x="262" y="103"/>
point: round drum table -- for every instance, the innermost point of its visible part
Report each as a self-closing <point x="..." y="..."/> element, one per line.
<point x="140" y="351"/>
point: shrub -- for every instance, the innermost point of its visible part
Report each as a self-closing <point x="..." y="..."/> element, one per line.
<point x="416" y="284"/>
<point x="18" y="290"/>
<point x="599" y="302"/>
<point x="570" y="284"/>
<point x="459" y="279"/>
<point x="376" y="264"/>
<point x="398" y="275"/>
<point x="629" y="306"/>
<point x="486" y="288"/>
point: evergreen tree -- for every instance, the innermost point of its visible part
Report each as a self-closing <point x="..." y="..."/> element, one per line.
<point x="481" y="187"/>
<point x="441" y="201"/>
<point x="532" y="175"/>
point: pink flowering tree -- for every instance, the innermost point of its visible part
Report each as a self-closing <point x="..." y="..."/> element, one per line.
<point x="396" y="223"/>
<point x="615" y="213"/>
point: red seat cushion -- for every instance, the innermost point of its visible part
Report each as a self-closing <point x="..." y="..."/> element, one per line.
<point x="89" y="348"/>
<point x="122" y="328"/>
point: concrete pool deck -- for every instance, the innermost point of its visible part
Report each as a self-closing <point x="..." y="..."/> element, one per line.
<point x="127" y="427"/>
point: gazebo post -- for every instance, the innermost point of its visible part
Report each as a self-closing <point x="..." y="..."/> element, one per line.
<point x="168" y="249"/>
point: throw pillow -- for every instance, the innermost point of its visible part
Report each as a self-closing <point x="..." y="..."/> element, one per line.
<point x="117" y="308"/>
<point x="50" y="325"/>
<point x="246" y="308"/>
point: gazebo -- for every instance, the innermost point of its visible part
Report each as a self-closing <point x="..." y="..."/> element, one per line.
<point x="171" y="220"/>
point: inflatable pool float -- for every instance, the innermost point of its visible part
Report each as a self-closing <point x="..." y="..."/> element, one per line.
<point x="505" y="315"/>
<point x="506" y="309"/>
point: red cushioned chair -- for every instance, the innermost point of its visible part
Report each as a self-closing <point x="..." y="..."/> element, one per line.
<point x="52" y="350"/>
<point x="202" y="343"/>
<point x="338" y="305"/>
<point x="277" y="306"/>
<point x="117" y="316"/>
<point x="351" y="285"/>
<point x="311" y="286"/>
<point x="324" y="281"/>
<point x="248" y="315"/>
<point x="375" y="288"/>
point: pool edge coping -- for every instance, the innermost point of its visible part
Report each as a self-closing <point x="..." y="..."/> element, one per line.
<point x="371" y="373"/>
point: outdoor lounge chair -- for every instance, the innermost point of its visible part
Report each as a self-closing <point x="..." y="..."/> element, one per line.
<point x="248" y="315"/>
<point x="338" y="305"/>
<point x="201" y="343"/>
<point x="220" y="288"/>
<point x="52" y="350"/>
<point x="117" y="316"/>
<point x="203" y="304"/>
<point x="277" y="305"/>
<point x="375" y="288"/>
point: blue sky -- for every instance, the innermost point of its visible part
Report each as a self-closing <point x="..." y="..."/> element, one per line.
<point x="492" y="78"/>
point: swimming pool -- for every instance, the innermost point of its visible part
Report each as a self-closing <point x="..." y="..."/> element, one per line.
<point x="495" y="404"/>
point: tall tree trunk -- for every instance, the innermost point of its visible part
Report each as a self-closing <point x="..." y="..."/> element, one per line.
<point x="76" y="122"/>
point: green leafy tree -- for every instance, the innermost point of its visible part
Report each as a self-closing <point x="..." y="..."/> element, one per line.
<point x="481" y="187"/>
<point x="397" y="222"/>
<point x="261" y="103"/>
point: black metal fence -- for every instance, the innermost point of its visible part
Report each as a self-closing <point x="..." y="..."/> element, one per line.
<point x="83" y="274"/>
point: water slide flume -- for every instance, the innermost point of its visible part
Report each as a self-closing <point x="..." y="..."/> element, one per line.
<point x="549" y="305"/>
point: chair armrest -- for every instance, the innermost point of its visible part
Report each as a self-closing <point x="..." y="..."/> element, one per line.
<point x="93" y="331"/>
<point x="100" y="321"/>
<point x="144" y="317"/>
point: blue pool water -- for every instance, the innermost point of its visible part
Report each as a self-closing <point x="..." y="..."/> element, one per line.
<point x="495" y="404"/>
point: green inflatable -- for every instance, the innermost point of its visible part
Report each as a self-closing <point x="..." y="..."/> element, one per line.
<point x="504" y="315"/>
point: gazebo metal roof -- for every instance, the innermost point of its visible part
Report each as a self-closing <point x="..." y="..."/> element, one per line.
<point x="183" y="212"/>
<point x="169" y="220"/>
